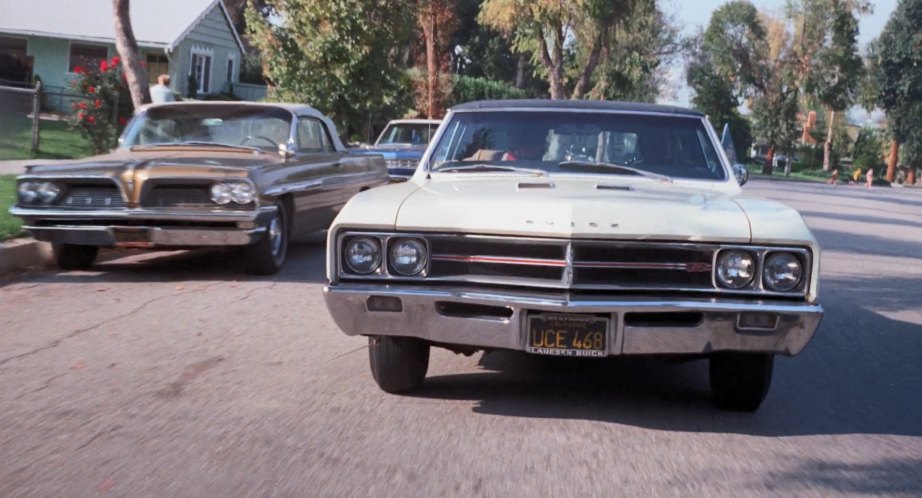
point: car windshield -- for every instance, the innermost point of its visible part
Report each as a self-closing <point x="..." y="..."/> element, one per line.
<point x="407" y="134"/>
<point x="225" y="125"/>
<point x="656" y="146"/>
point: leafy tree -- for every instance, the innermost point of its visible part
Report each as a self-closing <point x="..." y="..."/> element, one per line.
<point x="340" y="57"/>
<point x="634" y="64"/>
<point x="898" y="80"/>
<point x="566" y="37"/>
<point x="436" y="20"/>
<point x="755" y="58"/>
<point x="127" y="46"/>
<point x="714" y="96"/>
<point x="867" y="150"/>
<point x="827" y="53"/>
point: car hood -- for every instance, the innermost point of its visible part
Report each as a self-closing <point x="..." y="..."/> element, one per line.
<point x="561" y="207"/>
<point x="162" y="163"/>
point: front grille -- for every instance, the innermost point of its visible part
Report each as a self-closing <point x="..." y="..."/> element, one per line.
<point x="178" y="196"/>
<point x="401" y="163"/>
<point x="91" y="197"/>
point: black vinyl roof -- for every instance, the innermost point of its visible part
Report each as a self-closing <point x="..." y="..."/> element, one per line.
<point x="592" y="105"/>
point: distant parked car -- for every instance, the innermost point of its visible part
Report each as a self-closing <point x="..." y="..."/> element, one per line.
<point x="402" y="144"/>
<point x="196" y="174"/>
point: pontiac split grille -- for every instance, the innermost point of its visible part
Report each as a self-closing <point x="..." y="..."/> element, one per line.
<point x="92" y="197"/>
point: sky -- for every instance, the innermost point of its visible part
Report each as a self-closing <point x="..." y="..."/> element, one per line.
<point x="694" y="14"/>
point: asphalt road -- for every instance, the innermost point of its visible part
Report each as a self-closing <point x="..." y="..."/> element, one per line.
<point x="173" y="374"/>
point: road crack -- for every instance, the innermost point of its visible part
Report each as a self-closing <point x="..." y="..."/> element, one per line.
<point x="57" y="342"/>
<point x="98" y="435"/>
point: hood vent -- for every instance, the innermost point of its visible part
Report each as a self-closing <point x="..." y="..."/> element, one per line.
<point x="534" y="185"/>
<point x="602" y="186"/>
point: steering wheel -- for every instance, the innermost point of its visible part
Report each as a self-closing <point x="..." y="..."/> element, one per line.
<point x="259" y="137"/>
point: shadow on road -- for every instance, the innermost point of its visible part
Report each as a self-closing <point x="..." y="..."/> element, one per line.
<point x="860" y="375"/>
<point x="893" y="476"/>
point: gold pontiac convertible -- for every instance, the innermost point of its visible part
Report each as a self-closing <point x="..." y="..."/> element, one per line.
<point x="575" y="228"/>
<point x="199" y="174"/>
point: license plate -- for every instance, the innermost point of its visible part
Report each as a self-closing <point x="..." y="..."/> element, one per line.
<point x="567" y="335"/>
<point x="132" y="237"/>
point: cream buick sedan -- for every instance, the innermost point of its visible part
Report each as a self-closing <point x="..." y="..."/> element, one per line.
<point x="575" y="228"/>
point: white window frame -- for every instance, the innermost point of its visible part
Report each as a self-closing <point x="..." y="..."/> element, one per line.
<point x="203" y="52"/>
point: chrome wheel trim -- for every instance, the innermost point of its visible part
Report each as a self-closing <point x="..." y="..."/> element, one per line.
<point x="275" y="237"/>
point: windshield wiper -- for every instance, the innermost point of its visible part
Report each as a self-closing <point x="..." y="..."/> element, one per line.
<point x="489" y="168"/>
<point x="613" y="166"/>
<point x="195" y="142"/>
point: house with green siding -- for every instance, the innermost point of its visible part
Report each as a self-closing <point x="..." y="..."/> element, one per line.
<point x="187" y="39"/>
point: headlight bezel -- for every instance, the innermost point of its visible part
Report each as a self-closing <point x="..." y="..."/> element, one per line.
<point x="38" y="192"/>
<point x="236" y="191"/>
<point x="758" y="285"/>
<point x="387" y="241"/>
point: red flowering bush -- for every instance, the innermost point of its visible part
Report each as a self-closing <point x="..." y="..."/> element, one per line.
<point x="104" y="103"/>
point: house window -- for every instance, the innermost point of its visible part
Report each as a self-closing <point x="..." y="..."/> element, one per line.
<point x="201" y="69"/>
<point x="15" y="64"/>
<point x="157" y="64"/>
<point x="230" y="69"/>
<point x="83" y="55"/>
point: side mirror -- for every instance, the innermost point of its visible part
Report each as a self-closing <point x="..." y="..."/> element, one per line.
<point x="286" y="150"/>
<point x="741" y="174"/>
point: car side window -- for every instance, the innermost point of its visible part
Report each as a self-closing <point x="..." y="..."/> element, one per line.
<point x="312" y="136"/>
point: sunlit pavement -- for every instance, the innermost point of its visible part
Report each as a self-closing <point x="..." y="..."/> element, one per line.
<point x="174" y="374"/>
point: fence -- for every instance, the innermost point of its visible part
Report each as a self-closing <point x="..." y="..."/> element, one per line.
<point x="19" y="110"/>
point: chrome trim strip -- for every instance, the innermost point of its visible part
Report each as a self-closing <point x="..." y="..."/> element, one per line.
<point x="621" y="265"/>
<point x="158" y="236"/>
<point x="556" y="263"/>
<point x="140" y="214"/>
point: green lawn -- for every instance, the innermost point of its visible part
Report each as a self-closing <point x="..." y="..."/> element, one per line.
<point x="10" y="226"/>
<point x="56" y="140"/>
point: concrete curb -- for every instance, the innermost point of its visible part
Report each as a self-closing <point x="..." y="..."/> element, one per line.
<point x="20" y="254"/>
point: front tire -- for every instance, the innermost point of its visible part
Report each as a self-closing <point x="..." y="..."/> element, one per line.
<point x="398" y="364"/>
<point x="267" y="256"/>
<point x="740" y="381"/>
<point x="74" y="257"/>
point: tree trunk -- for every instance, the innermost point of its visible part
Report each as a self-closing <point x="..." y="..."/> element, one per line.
<point x="582" y="85"/>
<point x="827" y="146"/>
<point x="911" y="176"/>
<point x="432" y="61"/>
<point x="127" y="47"/>
<point x="892" y="159"/>
<point x="769" y="157"/>
<point x="554" y="69"/>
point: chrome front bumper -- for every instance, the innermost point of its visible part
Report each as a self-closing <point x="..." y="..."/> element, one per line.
<point x="158" y="228"/>
<point x="497" y="319"/>
<point x="106" y="236"/>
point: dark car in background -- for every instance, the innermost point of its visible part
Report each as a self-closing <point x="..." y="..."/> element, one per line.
<point x="402" y="144"/>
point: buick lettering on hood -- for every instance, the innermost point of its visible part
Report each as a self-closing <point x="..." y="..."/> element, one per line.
<point x="575" y="228"/>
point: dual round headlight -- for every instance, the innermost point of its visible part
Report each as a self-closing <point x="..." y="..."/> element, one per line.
<point x="43" y="192"/>
<point x="407" y="257"/>
<point x="781" y="272"/>
<point x="223" y="193"/>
